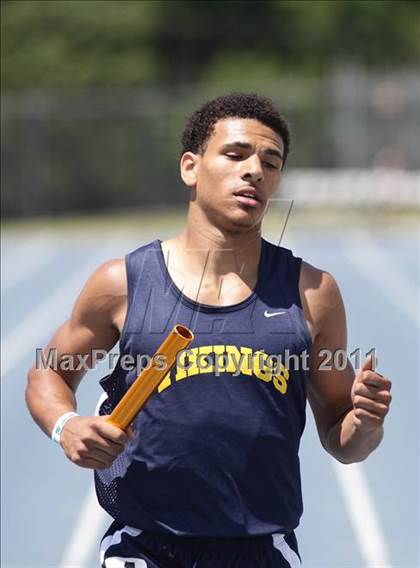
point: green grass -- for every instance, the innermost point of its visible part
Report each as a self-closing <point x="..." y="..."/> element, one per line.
<point x="175" y="219"/>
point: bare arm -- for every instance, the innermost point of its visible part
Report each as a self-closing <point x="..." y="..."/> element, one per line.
<point x="94" y="324"/>
<point x="349" y="409"/>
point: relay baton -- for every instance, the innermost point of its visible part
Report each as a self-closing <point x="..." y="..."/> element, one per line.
<point x="148" y="380"/>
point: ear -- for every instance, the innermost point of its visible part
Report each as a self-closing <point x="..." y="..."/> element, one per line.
<point x="188" y="166"/>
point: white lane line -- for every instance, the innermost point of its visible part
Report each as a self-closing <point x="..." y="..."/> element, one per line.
<point x="84" y="538"/>
<point x="36" y="258"/>
<point x="352" y="479"/>
<point x="20" y="343"/>
<point x="353" y="483"/>
<point x="89" y="525"/>
<point x="24" y="338"/>
<point x="376" y="266"/>
<point x="90" y="522"/>
<point x="46" y="317"/>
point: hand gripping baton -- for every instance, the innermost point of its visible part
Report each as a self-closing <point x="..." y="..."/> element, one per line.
<point x="148" y="380"/>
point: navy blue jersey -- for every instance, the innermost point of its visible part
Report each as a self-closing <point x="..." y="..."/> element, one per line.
<point x="216" y="451"/>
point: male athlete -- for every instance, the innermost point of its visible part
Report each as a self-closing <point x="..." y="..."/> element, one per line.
<point x="208" y="477"/>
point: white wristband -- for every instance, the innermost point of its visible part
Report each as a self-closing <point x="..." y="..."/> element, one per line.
<point x="59" y="425"/>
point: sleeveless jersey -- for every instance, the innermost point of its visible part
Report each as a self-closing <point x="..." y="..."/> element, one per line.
<point x="216" y="447"/>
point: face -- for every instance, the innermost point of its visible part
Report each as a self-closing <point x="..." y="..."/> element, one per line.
<point x="237" y="174"/>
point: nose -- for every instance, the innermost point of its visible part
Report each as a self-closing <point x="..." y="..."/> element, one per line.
<point x="253" y="171"/>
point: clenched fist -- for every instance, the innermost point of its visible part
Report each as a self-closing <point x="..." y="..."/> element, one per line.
<point x="371" y="397"/>
<point x="93" y="442"/>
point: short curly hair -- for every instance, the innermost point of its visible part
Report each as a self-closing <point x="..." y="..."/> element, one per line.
<point x="201" y="123"/>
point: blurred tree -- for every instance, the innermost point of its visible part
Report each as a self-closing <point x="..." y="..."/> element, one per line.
<point x="74" y="138"/>
<point x="70" y="43"/>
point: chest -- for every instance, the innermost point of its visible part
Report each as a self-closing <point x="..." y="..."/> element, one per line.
<point x="217" y="291"/>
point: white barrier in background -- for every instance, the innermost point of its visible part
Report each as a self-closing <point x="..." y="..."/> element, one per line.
<point x="355" y="187"/>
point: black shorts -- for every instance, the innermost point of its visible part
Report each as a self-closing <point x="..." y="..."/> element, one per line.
<point x="126" y="547"/>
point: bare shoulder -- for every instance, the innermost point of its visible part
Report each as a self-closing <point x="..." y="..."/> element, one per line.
<point x="105" y="292"/>
<point x="321" y="297"/>
<point x="111" y="276"/>
<point x="109" y="280"/>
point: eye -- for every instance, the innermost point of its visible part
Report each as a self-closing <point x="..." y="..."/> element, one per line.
<point x="234" y="156"/>
<point x="270" y="166"/>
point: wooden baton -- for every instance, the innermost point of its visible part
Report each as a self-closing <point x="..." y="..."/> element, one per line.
<point x="149" y="379"/>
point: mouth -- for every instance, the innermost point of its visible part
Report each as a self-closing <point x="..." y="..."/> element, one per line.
<point x="248" y="196"/>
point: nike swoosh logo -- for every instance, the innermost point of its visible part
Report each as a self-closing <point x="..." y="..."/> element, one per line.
<point x="271" y="314"/>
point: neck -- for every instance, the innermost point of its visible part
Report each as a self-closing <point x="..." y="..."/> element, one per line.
<point x="220" y="252"/>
